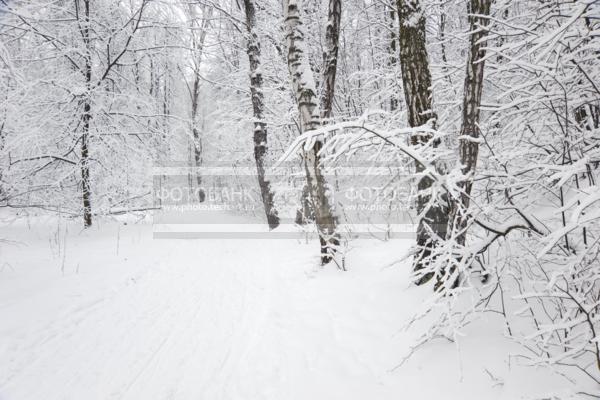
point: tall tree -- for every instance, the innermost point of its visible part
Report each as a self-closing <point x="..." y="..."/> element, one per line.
<point x="332" y="40"/>
<point x="478" y="13"/>
<point x="84" y="29"/>
<point x="199" y="29"/>
<point x="77" y="104"/>
<point x="258" y="106"/>
<point x="416" y="81"/>
<point x="392" y="60"/>
<point x="304" y="88"/>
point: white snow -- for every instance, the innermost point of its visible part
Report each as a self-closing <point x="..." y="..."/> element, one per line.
<point x="111" y="313"/>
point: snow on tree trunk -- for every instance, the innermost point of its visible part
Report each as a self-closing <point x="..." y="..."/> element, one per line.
<point x="260" y="126"/>
<point x="478" y="11"/>
<point x="332" y="39"/>
<point x="86" y="117"/>
<point x="304" y="89"/>
<point x="197" y="136"/>
<point x="416" y="81"/>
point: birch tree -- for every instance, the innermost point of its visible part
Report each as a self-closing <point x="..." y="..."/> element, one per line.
<point x="305" y="92"/>
<point x="258" y="105"/>
<point x="83" y="22"/>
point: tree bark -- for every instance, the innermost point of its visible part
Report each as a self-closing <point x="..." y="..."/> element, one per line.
<point x="260" y="126"/>
<point x="86" y="117"/>
<point x="198" y="45"/>
<point x="478" y="10"/>
<point x="304" y="88"/>
<point x="332" y="40"/>
<point x="330" y="59"/>
<point x="393" y="56"/>
<point x="416" y="81"/>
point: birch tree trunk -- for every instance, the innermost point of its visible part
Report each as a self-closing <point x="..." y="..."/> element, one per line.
<point x="84" y="28"/>
<point x="260" y="126"/>
<point x="330" y="59"/>
<point x="478" y="10"/>
<point x="416" y="81"/>
<point x="304" y="88"/>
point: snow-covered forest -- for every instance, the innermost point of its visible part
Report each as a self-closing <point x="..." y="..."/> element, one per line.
<point x="299" y="199"/>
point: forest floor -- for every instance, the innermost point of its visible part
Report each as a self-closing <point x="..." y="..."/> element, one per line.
<point x="111" y="313"/>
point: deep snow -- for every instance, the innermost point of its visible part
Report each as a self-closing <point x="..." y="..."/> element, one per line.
<point x="111" y="313"/>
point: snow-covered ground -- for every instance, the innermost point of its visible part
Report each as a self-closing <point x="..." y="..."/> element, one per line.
<point x="111" y="313"/>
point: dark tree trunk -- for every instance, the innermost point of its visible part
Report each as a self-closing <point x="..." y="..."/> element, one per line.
<point x="416" y="80"/>
<point x="85" y="167"/>
<point x="393" y="56"/>
<point x="468" y="144"/>
<point x="198" y="43"/>
<point x="332" y="40"/>
<point x="442" y="34"/>
<point x="86" y="119"/>
<point x="260" y="127"/>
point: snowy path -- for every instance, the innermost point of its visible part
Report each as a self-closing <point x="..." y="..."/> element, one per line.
<point x="134" y="318"/>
